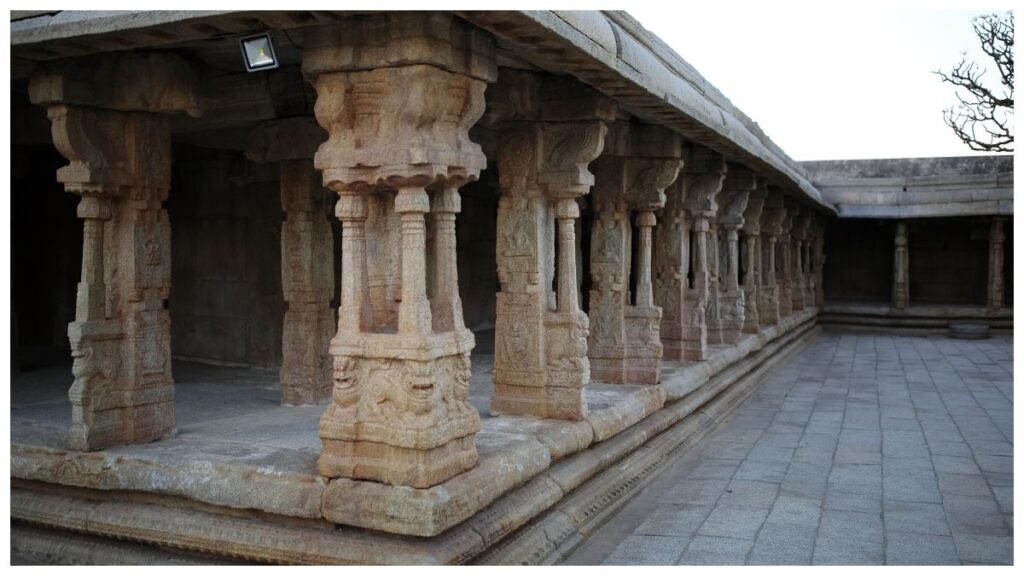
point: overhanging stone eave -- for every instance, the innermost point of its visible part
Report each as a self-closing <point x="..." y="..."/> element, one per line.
<point x="694" y="102"/>
<point x="729" y="134"/>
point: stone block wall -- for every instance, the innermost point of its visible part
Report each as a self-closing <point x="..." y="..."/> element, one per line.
<point x="948" y="260"/>
<point x="226" y="302"/>
<point x="859" y="260"/>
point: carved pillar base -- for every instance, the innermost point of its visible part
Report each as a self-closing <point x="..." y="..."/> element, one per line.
<point x="400" y="413"/>
<point x="769" y="305"/>
<point x="731" y="311"/>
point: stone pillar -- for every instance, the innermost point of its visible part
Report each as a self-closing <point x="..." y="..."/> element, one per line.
<point x="118" y="143"/>
<point x="901" y="269"/>
<point x="819" y="265"/>
<point x="784" y="259"/>
<point x="996" y="240"/>
<point x="773" y="216"/>
<point x="798" y="277"/>
<point x="540" y="340"/>
<point x="714" y="250"/>
<point x="672" y="264"/>
<point x="751" y="279"/>
<point x="307" y="256"/>
<point x="731" y="297"/>
<point x="639" y="162"/>
<point x="705" y="174"/>
<point x="398" y="131"/>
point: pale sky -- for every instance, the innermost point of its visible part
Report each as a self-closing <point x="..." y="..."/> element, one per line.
<point x="850" y="83"/>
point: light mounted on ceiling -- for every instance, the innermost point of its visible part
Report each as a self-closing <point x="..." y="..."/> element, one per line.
<point x="258" y="53"/>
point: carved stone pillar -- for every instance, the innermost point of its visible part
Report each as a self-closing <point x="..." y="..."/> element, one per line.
<point x="784" y="262"/>
<point x="672" y="265"/>
<point x="307" y="255"/>
<point x="119" y="150"/>
<point x="731" y="298"/>
<point x="540" y="359"/>
<point x="996" y="240"/>
<point x="751" y="280"/>
<point x="397" y="109"/>
<point x="714" y="249"/>
<point x="819" y="265"/>
<point x="798" y="277"/>
<point x="773" y="216"/>
<point x="639" y="162"/>
<point x="705" y="172"/>
<point x="901" y="269"/>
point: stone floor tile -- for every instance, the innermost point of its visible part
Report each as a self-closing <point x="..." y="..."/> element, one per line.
<point x="750" y="493"/>
<point x="955" y="464"/>
<point x="950" y="449"/>
<point x="716" y="551"/>
<point x="963" y="484"/>
<point x="984" y="549"/>
<point x="763" y="471"/>
<point x="669" y="520"/>
<point x="714" y="470"/>
<point x="783" y="544"/>
<point x="854" y="525"/>
<point x="902" y="548"/>
<point x="839" y="499"/>
<point x="646" y="550"/>
<point x="740" y="522"/>
<point x="846" y="552"/>
<point x="796" y="511"/>
<point x="916" y="517"/>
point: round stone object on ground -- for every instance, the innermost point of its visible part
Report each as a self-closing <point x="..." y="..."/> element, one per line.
<point x="968" y="331"/>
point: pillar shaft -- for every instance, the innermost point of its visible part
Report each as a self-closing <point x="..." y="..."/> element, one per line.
<point x="901" y="269"/>
<point x="307" y="280"/>
<point x="997" y="239"/>
<point x="400" y="411"/>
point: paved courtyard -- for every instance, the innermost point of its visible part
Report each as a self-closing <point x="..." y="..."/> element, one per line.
<point x="862" y="449"/>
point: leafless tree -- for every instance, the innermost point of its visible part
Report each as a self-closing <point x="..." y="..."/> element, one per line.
<point x="983" y="118"/>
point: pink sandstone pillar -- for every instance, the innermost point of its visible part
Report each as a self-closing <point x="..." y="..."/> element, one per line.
<point x="118" y="142"/>
<point x="398" y="132"/>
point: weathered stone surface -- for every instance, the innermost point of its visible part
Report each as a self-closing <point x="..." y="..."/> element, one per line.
<point x="397" y="105"/>
<point x="120" y="339"/>
<point x="541" y="362"/>
<point x="632" y="174"/>
<point x="506" y="460"/>
<point x="123" y="81"/>
<point x="614" y="409"/>
<point x="307" y="280"/>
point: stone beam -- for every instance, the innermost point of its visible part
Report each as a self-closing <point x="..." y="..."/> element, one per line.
<point x="122" y="81"/>
<point x="397" y="94"/>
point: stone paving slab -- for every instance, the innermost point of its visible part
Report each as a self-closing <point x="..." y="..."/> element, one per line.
<point x="863" y="449"/>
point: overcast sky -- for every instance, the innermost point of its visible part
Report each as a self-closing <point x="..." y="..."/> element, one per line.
<point x="853" y="83"/>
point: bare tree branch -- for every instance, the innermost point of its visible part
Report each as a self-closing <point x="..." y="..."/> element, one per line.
<point x="980" y="107"/>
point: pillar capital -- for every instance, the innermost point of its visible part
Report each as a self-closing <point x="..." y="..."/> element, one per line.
<point x="706" y="173"/>
<point x="754" y="209"/>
